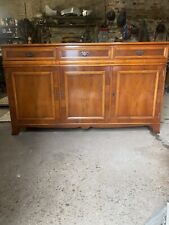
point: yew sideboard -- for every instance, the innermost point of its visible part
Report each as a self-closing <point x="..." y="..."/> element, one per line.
<point x="85" y="85"/>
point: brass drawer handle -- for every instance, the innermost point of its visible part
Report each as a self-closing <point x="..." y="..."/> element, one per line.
<point x="29" y="54"/>
<point x="139" y="52"/>
<point x="84" y="53"/>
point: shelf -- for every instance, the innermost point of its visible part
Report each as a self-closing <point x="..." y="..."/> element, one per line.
<point x="71" y="21"/>
<point x="70" y="25"/>
<point x="10" y="38"/>
<point x="74" y="18"/>
<point x="7" y="27"/>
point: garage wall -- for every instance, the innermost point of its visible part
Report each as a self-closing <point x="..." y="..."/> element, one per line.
<point x="136" y="8"/>
<point x="153" y="9"/>
<point x="15" y="8"/>
<point x="11" y="8"/>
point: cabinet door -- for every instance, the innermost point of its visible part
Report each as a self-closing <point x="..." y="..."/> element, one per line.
<point x="136" y="92"/>
<point x="31" y="93"/>
<point x="84" y="93"/>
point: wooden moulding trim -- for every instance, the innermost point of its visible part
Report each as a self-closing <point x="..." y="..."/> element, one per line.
<point x="136" y="48"/>
<point x="157" y="74"/>
<point x="157" y="60"/>
<point x="87" y="44"/>
<point x="32" y="49"/>
<point x="67" y="125"/>
<point x="141" y="63"/>
<point x="29" y="63"/>
<point x="77" y="73"/>
<point x="86" y="48"/>
<point x="18" y="117"/>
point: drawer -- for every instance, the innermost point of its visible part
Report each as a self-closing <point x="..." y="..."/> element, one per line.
<point x="85" y="53"/>
<point x="135" y="52"/>
<point x="29" y="53"/>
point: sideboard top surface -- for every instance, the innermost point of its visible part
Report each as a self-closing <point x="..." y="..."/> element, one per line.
<point x="87" y="44"/>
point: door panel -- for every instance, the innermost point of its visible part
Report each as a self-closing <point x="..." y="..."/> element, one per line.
<point x="34" y="96"/>
<point x="136" y="92"/>
<point x="84" y="93"/>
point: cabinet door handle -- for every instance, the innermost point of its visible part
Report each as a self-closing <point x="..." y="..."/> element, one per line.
<point x="29" y="54"/>
<point x="84" y="53"/>
<point x="139" y="52"/>
<point x="113" y="94"/>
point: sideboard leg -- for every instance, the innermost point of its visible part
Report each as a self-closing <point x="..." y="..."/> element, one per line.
<point x="15" y="130"/>
<point x="155" y="128"/>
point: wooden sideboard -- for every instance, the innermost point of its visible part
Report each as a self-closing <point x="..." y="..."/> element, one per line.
<point x="85" y="85"/>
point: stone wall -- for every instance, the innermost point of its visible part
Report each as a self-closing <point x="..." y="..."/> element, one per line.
<point x="151" y="10"/>
<point x="15" y="8"/>
<point x="136" y="8"/>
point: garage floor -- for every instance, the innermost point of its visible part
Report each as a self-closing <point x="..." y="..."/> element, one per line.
<point x="93" y="177"/>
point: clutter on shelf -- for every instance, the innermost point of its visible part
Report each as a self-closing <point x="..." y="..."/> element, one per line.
<point x="81" y="25"/>
<point x="49" y="11"/>
<point x="118" y="28"/>
<point x="9" y="31"/>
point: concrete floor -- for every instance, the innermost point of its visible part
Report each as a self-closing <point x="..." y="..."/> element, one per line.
<point x="93" y="177"/>
<point x="164" y="134"/>
<point x="3" y="110"/>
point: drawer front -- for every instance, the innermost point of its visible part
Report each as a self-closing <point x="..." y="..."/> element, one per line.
<point x="139" y="52"/>
<point x="86" y="53"/>
<point x="29" y="53"/>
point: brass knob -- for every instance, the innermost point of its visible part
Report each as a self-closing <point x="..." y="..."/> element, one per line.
<point x="84" y="53"/>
